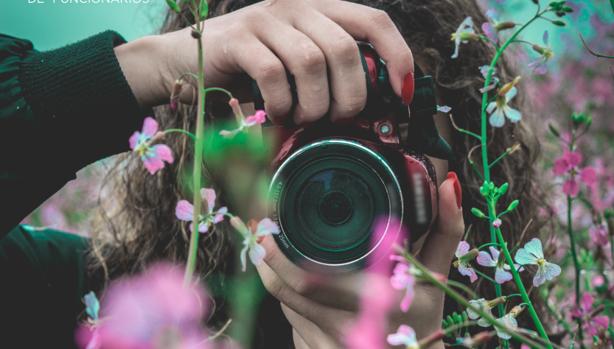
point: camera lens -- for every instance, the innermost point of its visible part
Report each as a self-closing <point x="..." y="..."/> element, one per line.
<point x="326" y="198"/>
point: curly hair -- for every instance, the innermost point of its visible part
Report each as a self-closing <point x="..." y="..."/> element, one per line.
<point x="136" y="223"/>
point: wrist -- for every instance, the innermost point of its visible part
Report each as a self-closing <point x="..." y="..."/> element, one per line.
<point x="142" y="62"/>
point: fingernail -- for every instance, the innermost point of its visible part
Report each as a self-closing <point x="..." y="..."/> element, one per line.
<point x="458" y="192"/>
<point x="407" y="91"/>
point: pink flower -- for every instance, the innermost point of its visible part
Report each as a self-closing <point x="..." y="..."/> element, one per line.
<point x="497" y="223"/>
<point x="599" y="234"/>
<point x="244" y="122"/>
<point x="149" y="311"/>
<point x="153" y="156"/>
<point x="252" y="237"/>
<point x="463" y="262"/>
<point x="593" y="325"/>
<point x="402" y="279"/>
<point x="405" y="336"/>
<point x="185" y="211"/>
<point x="568" y="164"/>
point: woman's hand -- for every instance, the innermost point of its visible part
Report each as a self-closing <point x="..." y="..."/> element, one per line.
<point x="320" y="310"/>
<point x="313" y="40"/>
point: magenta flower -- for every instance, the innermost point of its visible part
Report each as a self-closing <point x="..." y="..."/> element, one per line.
<point x="405" y="336"/>
<point x="463" y="262"/>
<point x="185" y="211"/>
<point x="153" y="156"/>
<point x="599" y="234"/>
<point x="568" y="164"/>
<point x="244" y="122"/>
<point x="593" y="325"/>
<point x="493" y="260"/>
<point x="403" y="279"/>
<point x="252" y="237"/>
<point x="152" y="310"/>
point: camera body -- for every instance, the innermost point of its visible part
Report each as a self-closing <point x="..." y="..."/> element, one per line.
<point x="332" y="182"/>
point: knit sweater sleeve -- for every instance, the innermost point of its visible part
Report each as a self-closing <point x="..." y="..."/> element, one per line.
<point x="60" y="110"/>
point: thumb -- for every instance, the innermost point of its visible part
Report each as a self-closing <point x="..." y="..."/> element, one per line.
<point x="442" y="241"/>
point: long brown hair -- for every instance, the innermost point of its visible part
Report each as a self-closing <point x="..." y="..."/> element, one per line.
<point x="136" y="223"/>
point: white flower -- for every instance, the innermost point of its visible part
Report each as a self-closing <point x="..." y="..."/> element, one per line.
<point x="252" y="237"/>
<point x="499" y="109"/>
<point x="463" y="34"/>
<point x="493" y="260"/>
<point x="533" y="254"/>
<point x="509" y="320"/>
<point x="482" y="304"/>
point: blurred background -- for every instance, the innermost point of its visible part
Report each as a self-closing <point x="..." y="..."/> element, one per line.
<point x="575" y="82"/>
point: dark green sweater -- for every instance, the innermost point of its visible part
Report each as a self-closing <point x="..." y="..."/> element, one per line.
<point x="60" y="111"/>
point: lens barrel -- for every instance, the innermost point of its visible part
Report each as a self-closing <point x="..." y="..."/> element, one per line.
<point x="326" y="197"/>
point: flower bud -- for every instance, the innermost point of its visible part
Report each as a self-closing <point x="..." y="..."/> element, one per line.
<point x="507" y="87"/>
<point x="505" y="26"/>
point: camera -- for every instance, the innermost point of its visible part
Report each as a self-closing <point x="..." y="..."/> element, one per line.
<point x="332" y="182"/>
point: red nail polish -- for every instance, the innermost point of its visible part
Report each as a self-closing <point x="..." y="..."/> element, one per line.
<point x="407" y="91"/>
<point x="458" y="192"/>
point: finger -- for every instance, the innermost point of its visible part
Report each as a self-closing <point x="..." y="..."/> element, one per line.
<point x="340" y="292"/>
<point x="327" y="318"/>
<point x="255" y="59"/>
<point x="441" y="243"/>
<point x="309" y="334"/>
<point x="299" y="342"/>
<point x="376" y="27"/>
<point x="305" y="60"/>
<point x="346" y="74"/>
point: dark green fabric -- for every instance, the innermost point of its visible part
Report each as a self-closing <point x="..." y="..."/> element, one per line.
<point x="42" y="273"/>
<point x="59" y="111"/>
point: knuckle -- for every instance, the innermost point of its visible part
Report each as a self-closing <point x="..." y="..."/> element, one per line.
<point x="346" y="50"/>
<point x="380" y="18"/>
<point x="350" y="106"/>
<point x="311" y="59"/>
<point x="270" y="71"/>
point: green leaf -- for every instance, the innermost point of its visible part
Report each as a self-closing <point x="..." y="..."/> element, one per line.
<point x="173" y="5"/>
<point x="476" y="212"/>
<point x="203" y="9"/>
<point x="612" y="3"/>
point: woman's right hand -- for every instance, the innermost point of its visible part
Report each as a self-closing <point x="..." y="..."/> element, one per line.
<point x="313" y="40"/>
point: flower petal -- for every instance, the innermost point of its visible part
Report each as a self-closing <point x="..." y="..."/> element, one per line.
<point x="134" y="139"/>
<point x="208" y="195"/>
<point x="502" y="276"/>
<point x="512" y="114"/>
<point x="497" y="119"/>
<point x="462" y="249"/>
<point x="150" y="126"/>
<point x="153" y="164"/>
<point x="163" y="152"/>
<point x="184" y="211"/>
<point x="256" y="254"/>
<point x="485" y="259"/>
<point x="266" y="227"/>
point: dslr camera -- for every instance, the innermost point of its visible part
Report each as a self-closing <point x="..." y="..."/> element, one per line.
<point x="332" y="182"/>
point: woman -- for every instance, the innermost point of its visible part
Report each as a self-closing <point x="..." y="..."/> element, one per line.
<point x="55" y="99"/>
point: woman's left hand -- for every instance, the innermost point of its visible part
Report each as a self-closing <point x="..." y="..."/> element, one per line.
<point x="320" y="308"/>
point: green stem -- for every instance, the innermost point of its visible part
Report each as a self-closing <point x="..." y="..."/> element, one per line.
<point x="495" y="233"/>
<point x="218" y="89"/>
<point x="487" y="278"/>
<point x="576" y="263"/>
<point x="428" y="276"/>
<point x="198" y="161"/>
<point x="180" y="130"/>
<point x="488" y="244"/>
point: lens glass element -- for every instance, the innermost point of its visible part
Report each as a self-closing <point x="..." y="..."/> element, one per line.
<point x="327" y="197"/>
